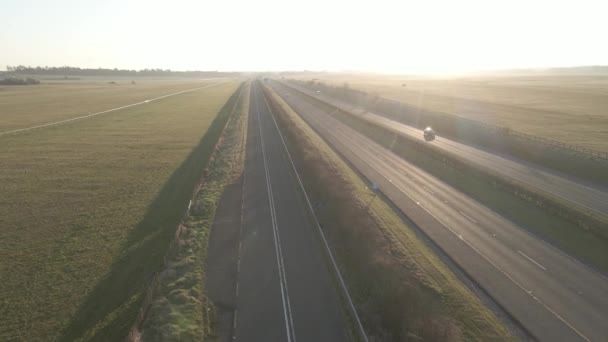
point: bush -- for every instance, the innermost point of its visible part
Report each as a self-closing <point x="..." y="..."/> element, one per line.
<point x="19" y="81"/>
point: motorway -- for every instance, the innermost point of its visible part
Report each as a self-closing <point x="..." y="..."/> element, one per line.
<point x="587" y="197"/>
<point x="285" y="286"/>
<point x="552" y="295"/>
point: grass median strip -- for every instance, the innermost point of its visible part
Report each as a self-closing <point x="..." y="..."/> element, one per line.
<point x="573" y="232"/>
<point x="88" y="210"/>
<point x="569" y="108"/>
<point x="570" y="160"/>
<point x="401" y="289"/>
<point x="587" y="245"/>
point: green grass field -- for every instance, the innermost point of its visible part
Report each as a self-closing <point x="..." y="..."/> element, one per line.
<point x="26" y="106"/>
<point x="181" y="310"/>
<point x="571" y="109"/>
<point x="88" y="208"/>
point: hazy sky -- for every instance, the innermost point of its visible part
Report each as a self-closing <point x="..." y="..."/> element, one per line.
<point x="387" y="36"/>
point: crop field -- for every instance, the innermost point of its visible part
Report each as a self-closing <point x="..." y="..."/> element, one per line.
<point x="88" y="208"/>
<point x="571" y="109"/>
<point x="26" y="106"/>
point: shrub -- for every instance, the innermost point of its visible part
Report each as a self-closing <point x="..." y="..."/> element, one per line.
<point x="12" y="80"/>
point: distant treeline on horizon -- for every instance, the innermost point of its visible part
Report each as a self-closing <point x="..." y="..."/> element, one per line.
<point x="73" y="71"/>
<point x="575" y="70"/>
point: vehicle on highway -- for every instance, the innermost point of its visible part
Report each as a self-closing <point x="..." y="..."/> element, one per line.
<point x="429" y="134"/>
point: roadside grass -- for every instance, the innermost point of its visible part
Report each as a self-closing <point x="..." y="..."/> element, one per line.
<point x="572" y="161"/>
<point x="401" y="289"/>
<point x="87" y="212"/>
<point x="571" y="109"/>
<point x="51" y="101"/>
<point x="181" y="311"/>
<point x="587" y="245"/>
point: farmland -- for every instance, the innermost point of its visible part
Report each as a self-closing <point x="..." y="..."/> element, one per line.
<point x="52" y="101"/>
<point x="88" y="207"/>
<point x="571" y="109"/>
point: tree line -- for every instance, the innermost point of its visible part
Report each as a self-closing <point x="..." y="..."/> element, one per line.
<point x="74" y="71"/>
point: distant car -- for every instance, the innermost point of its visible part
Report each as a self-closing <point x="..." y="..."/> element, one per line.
<point x="429" y="134"/>
<point x="318" y="92"/>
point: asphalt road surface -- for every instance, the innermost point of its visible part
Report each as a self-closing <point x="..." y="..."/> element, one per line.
<point x="552" y="295"/>
<point x="285" y="290"/>
<point x="587" y="197"/>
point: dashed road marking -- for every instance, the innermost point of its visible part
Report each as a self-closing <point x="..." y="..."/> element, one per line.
<point x="467" y="216"/>
<point x="532" y="260"/>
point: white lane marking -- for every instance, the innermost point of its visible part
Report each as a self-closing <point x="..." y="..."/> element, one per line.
<point x="234" y="324"/>
<point x="484" y="257"/>
<point x="105" y="111"/>
<point x="314" y="215"/>
<point x="427" y="189"/>
<point x="532" y="260"/>
<point x="277" y="241"/>
<point x="390" y="124"/>
<point x="467" y="216"/>
<point x="499" y="269"/>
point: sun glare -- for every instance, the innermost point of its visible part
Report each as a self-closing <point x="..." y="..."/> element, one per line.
<point x="436" y="37"/>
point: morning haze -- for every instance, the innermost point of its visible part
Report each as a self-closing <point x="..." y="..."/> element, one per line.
<point x="315" y="171"/>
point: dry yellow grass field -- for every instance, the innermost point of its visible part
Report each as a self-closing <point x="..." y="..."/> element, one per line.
<point x="571" y="109"/>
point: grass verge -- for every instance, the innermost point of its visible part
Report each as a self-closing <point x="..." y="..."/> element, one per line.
<point x="87" y="212"/>
<point x="578" y="234"/>
<point x="401" y="289"/>
<point x="567" y="159"/>
<point x="179" y="310"/>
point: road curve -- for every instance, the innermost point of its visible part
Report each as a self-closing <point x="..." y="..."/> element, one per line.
<point x="285" y="290"/>
<point x="553" y="296"/>
<point x="590" y="198"/>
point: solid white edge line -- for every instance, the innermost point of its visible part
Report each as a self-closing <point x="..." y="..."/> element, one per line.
<point x="492" y="263"/>
<point x="337" y="270"/>
<point x="105" y="111"/>
<point x="334" y="104"/>
<point x="532" y="260"/>
<point x="484" y="257"/>
<point x="289" y="331"/>
<point x="555" y="249"/>
<point x="278" y="240"/>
